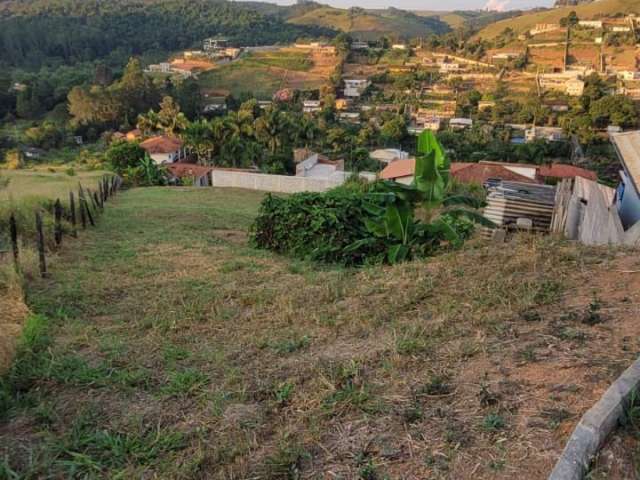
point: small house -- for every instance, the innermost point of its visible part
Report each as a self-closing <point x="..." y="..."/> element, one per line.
<point x="574" y="87"/>
<point x="320" y="167"/>
<point x="388" y="155"/>
<point x="597" y="24"/>
<point x="486" y="105"/>
<point x="350" y="117"/>
<point x="355" y="87"/>
<point x="358" y="45"/>
<point x="190" y="174"/>
<point x="460" y="123"/>
<point x="163" y="149"/>
<point x="402" y="171"/>
<point x="311" y="106"/>
<point x="550" y="134"/>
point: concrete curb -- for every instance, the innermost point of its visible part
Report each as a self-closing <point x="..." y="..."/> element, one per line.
<point x="595" y="426"/>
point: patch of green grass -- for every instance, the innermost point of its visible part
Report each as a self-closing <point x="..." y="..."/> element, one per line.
<point x="186" y="382"/>
<point x="547" y="291"/>
<point x="87" y="450"/>
<point x="286" y="462"/>
<point x="493" y="422"/>
<point x="290" y="345"/>
<point x="173" y="353"/>
<point x="283" y="392"/>
<point x="414" y="340"/>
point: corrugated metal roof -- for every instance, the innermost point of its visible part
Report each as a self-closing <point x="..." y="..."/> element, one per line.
<point x="628" y="146"/>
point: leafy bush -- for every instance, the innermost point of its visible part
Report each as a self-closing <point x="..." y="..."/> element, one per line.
<point x="385" y="221"/>
<point x="122" y="155"/>
<point x="318" y="226"/>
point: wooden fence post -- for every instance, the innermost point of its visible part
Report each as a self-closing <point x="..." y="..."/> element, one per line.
<point x="72" y="214"/>
<point x="41" y="253"/>
<point x="105" y="187"/>
<point x="84" y="205"/>
<point x="57" y="215"/>
<point x="83" y="212"/>
<point x="100" y="194"/>
<point x="89" y="215"/>
<point x="13" y="227"/>
<point x="94" y="201"/>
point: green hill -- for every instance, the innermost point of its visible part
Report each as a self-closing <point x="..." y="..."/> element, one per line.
<point x="593" y="10"/>
<point x="368" y="24"/>
<point x="468" y="18"/>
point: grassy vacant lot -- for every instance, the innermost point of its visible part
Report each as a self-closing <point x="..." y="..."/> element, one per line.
<point x="263" y="73"/>
<point x="166" y="347"/>
<point x="48" y="183"/>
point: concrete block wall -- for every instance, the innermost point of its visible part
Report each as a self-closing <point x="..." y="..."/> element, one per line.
<point x="272" y="183"/>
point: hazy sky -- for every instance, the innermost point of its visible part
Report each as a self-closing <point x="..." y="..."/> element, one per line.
<point x="434" y="4"/>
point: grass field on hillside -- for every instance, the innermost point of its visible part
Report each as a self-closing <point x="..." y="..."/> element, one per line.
<point x="288" y="59"/>
<point x="585" y="12"/>
<point x="263" y="73"/>
<point x="164" y="346"/>
<point x="44" y="183"/>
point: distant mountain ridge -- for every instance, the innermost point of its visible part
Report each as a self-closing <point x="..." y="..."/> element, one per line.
<point x="571" y="3"/>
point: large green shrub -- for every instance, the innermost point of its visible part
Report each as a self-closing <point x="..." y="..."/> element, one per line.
<point x="317" y="226"/>
<point x="384" y="221"/>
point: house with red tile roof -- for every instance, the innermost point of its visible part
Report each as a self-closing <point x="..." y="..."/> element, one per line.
<point x="479" y="173"/>
<point x="402" y="171"/>
<point x="195" y="175"/>
<point x="559" y="171"/>
<point x="163" y="149"/>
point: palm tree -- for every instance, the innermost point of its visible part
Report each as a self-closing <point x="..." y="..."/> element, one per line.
<point x="270" y="129"/>
<point x="147" y="123"/>
<point x="198" y="136"/>
<point x="306" y="132"/>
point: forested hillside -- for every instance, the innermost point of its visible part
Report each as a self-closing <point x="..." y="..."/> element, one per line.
<point x="44" y="32"/>
<point x="367" y="24"/>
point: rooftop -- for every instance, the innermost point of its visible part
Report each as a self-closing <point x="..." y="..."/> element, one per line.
<point x="628" y="147"/>
<point x="560" y="170"/>
<point x="182" y="170"/>
<point x="161" y="144"/>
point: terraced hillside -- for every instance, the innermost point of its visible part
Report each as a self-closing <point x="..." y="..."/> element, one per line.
<point x="589" y="11"/>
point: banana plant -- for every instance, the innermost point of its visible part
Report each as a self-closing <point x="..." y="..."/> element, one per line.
<point x="396" y="222"/>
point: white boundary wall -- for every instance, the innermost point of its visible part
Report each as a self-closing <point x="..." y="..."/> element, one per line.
<point x="271" y="183"/>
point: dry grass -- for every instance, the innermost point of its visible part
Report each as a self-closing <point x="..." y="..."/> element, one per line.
<point x="475" y="364"/>
<point x="14" y="312"/>
<point x="585" y="12"/>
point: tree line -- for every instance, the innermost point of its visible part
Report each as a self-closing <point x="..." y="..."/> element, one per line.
<point x="58" y="32"/>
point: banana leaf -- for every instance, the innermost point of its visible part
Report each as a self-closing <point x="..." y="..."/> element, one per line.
<point x="398" y="220"/>
<point x="429" y="181"/>
<point x="397" y="253"/>
<point x="428" y="143"/>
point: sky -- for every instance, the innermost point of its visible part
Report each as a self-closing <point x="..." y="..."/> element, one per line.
<point x="434" y="4"/>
